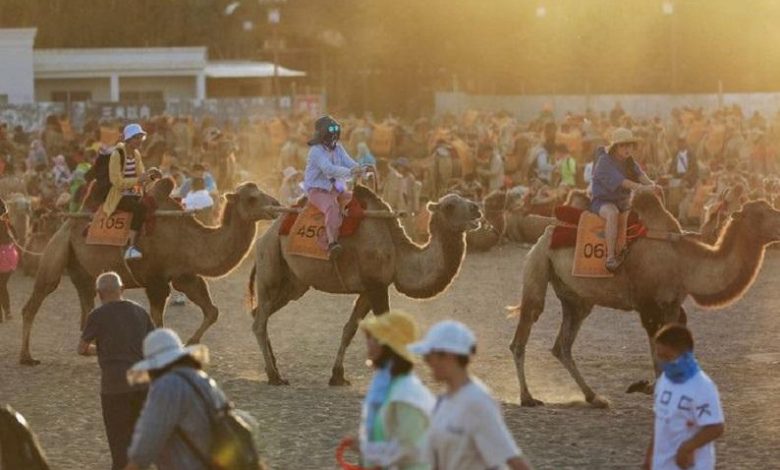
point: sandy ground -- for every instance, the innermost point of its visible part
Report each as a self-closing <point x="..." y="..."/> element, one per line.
<point x="300" y="425"/>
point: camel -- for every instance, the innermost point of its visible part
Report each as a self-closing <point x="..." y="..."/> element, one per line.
<point x="181" y="252"/>
<point x="655" y="279"/>
<point x="377" y="255"/>
<point x="524" y="227"/>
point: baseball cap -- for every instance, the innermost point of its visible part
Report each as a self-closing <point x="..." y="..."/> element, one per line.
<point x="448" y="336"/>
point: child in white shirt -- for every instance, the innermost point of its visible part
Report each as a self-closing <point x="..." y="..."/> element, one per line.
<point x="688" y="415"/>
<point x="198" y="198"/>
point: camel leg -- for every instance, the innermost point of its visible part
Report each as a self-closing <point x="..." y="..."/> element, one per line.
<point x="573" y="316"/>
<point x="196" y="289"/>
<point x="5" y="298"/>
<point x="85" y="287"/>
<point x="53" y="262"/>
<point x="157" y="290"/>
<point x="359" y="310"/>
<point x="653" y="318"/>
<point x="536" y="274"/>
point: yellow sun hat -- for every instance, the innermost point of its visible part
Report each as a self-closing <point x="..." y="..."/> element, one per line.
<point x="394" y="329"/>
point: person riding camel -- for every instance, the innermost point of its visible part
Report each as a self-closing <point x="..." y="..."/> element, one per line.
<point x="125" y="177"/>
<point x="615" y="175"/>
<point x="327" y="169"/>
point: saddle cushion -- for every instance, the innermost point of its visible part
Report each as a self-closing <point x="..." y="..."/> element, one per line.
<point x="565" y="234"/>
<point x="355" y="214"/>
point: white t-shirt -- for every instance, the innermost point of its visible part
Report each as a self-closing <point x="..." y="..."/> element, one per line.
<point x="468" y="432"/>
<point x="196" y="200"/>
<point x="681" y="410"/>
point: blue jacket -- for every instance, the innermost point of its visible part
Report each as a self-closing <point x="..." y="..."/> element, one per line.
<point x="608" y="177"/>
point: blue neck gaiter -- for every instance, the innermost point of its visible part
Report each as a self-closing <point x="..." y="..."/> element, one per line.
<point x="681" y="369"/>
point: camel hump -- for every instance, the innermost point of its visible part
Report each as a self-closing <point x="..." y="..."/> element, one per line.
<point x="653" y="214"/>
<point x="368" y="198"/>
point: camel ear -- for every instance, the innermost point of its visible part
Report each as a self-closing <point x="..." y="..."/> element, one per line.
<point x="433" y="206"/>
<point x="231" y="197"/>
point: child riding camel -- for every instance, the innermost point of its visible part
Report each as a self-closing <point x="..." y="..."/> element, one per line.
<point x="125" y="177"/>
<point x="615" y="175"/>
<point x="327" y="169"/>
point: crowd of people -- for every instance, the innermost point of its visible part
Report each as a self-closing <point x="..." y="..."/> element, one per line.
<point x="403" y="425"/>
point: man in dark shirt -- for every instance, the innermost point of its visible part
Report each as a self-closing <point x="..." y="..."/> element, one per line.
<point x="118" y="327"/>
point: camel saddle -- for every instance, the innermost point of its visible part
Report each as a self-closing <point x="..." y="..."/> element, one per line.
<point x="584" y="230"/>
<point x="114" y="229"/>
<point x="307" y="228"/>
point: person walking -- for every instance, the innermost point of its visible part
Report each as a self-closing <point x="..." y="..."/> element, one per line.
<point x="397" y="407"/>
<point x="688" y="414"/>
<point x="118" y="327"/>
<point x="174" y="430"/>
<point x="467" y="430"/>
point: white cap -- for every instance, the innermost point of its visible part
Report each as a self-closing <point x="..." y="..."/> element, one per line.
<point x="448" y="336"/>
<point x="162" y="347"/>
<point x="132" y="130"/>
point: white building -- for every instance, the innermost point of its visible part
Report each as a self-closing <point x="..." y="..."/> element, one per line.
<point x="122" y="74"/>
<point x="16" y="65"/>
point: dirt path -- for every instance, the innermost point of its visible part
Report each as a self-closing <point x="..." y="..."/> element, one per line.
<point x="300" y="425"/>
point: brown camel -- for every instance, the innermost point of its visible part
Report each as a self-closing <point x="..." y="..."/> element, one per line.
<point x="181" y="251"/>
<point x="524" y="227"/>
<point x="654" y="280"/>
<point x="377" y="255"/>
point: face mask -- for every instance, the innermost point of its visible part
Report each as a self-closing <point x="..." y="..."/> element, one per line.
<point x="681" y="369"/>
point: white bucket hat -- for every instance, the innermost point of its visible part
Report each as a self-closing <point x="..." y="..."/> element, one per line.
<point x="132" y="130"/>
<point x="448" y="336"/>
<point x="161" y="348"/>
<point x="289" y="172"/>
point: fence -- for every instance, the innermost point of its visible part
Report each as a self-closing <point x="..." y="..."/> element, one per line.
<point x="32" y="116"/>
<point x="527" y="107"/>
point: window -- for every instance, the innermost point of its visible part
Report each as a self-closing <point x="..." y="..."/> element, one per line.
<point x="140" y="96"/>
<point x="68" y="96"/>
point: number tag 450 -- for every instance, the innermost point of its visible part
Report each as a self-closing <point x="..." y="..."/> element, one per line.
<point x="311" y="231"/>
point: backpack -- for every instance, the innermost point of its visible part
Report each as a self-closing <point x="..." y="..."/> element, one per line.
<point x="99" y="172"/>
<point x="228" y="431"/>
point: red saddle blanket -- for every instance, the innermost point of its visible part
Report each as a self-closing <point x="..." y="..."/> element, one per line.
<point x="566" y="235"/>
<point x="355" y="214"/>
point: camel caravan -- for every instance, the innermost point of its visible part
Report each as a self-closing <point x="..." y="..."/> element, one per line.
<point x="603" y="202"/>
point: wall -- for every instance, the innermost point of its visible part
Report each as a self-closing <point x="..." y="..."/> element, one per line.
<point x="172" y="87"/>
<point x="527" y="107"/>
<point x="16" y="60"/>
<point x="100" y="87"/>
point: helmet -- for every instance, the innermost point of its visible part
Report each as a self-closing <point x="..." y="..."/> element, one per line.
<point x="326" y="132"/>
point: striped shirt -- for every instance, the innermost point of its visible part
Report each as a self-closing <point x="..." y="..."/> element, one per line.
<point x="130" y="171"/>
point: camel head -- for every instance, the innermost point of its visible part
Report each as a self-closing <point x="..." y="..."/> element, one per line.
<point x="250" y="204"/>
<point x="760" y="219"/>
<point x="454" y="213"/>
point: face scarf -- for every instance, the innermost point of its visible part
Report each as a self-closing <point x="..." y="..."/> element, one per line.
<point x="376" y="395"/>
<point x="681" y="369"/>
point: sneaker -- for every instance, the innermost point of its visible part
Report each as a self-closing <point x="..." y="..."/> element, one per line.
<point x="133" y="253"/>
<point x="178" y="300"/>
<point x="334" y="249"/>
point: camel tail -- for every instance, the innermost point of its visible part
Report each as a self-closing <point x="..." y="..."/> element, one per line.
<point x="250" y="295"/>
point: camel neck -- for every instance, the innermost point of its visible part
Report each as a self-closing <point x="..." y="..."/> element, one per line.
<point x="720" y="275"/>
<point x="423" y="272"/>
<point x="222" y="248"/>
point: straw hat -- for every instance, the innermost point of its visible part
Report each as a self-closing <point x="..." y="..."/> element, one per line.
<point x="163" y="347"/>
<point x="621" y="135"/>
<point x="395" y="330"/>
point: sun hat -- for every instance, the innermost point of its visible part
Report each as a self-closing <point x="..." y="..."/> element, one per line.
<point x="132" y="130"/>
<point x="395" y="330"/>
<point x="161" y="348"/>
<point x="289" y="172"/>
<point x="621" y="135"/>
<point x="448" y="336"/>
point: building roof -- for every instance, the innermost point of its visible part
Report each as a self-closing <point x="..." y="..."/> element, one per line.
<point x="248" y="69"/>
<point x="103" y="62"/>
